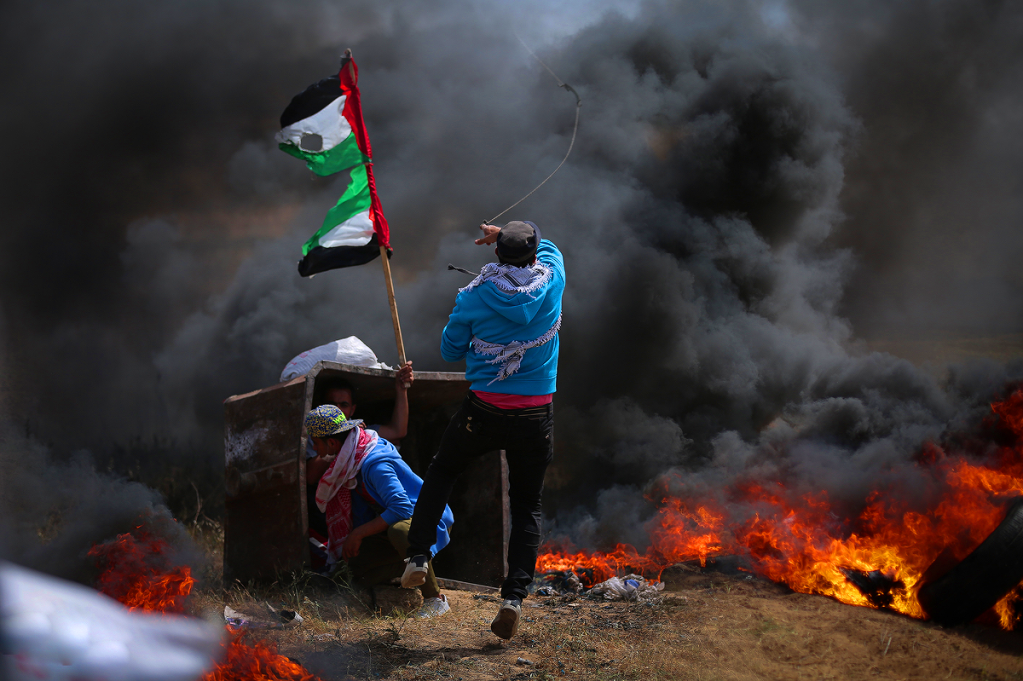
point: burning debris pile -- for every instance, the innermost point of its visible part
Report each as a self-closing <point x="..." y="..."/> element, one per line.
<point x="135" y="571"/>
<point x="878" y="559"/>
<point x="630" y="587"/>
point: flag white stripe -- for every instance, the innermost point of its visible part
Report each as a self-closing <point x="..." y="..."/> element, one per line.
<point x="355" y="231"/>
<point x="327" y="123"/>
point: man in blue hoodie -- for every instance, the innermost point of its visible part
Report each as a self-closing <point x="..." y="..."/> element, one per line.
<point x="505" y="324"/>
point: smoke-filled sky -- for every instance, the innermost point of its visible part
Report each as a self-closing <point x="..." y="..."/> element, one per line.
<point x="755" y="187"/>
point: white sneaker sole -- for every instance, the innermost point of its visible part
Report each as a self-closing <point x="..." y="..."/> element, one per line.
<point x="413" y="576"/>
<point x="413" y="579"/>
<point x="435" y="609"/>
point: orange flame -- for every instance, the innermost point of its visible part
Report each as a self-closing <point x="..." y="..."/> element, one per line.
<point x="805" y="545"/>
<point x="257" y="661"/>
<point x="135" y="571"/>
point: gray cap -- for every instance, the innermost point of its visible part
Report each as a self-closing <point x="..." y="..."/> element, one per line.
<point x="517" y="242"/>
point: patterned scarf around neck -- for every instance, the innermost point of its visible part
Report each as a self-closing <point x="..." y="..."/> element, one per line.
<point x="512" y="279"/>
<point x="334" y="493"/>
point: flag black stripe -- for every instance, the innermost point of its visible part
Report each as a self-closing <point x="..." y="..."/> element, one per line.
<point x="311" y="100"/>
<point x="321" y="259"/>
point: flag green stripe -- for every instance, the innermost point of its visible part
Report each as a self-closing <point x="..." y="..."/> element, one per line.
<point x="340" y="157"/>
<point x="355" y="200"/>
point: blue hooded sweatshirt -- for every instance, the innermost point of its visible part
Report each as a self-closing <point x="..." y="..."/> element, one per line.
<point x="493" y="315"/>
<point x="393" y="485"/>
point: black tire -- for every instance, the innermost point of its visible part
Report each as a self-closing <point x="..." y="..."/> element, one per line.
<point x="982" y="578"/>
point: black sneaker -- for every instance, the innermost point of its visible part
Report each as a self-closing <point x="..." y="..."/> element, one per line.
<point x="415" y="572"/>
<point x="507" y="621"/>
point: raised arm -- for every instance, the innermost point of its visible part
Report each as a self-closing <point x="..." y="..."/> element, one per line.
<point x="397" y="428"/>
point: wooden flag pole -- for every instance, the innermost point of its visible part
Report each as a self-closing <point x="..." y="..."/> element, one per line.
<point x="394" y="307"/>
<point x="383" y="249"/>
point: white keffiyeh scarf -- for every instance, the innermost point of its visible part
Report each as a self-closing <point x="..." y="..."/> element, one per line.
<point x="509" y="356"/>
<point x="512" y="279"/>
<point x="334" y="493"/>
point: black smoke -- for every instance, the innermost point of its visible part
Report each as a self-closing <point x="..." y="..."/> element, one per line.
<point x="754" y="187"/>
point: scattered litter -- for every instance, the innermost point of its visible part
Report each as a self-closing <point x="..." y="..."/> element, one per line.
<point x="627" y="588"/>
<point x="277" y="619"/>
<point x="573" y="583"/>
<point x="523" y="660"/>
<point x="560" y="582"/>
<point x="234" y="618"/>
<point x="285" y="617"/>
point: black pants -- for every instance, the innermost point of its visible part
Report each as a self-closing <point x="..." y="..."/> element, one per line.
<point x="527" y="438"/>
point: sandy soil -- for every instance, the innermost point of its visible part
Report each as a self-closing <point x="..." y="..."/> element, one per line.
<point x="711" y="626"/>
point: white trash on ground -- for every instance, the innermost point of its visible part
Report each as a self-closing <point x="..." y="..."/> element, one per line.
<point x="627" y="588"/>
<point x="52" y="629"/>
<point x="275" y="619"/>
<point x="349" y="350"/>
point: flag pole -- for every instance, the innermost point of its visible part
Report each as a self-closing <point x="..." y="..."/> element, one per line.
<point x="394" y="307"/>
<point x="383" y="249"/>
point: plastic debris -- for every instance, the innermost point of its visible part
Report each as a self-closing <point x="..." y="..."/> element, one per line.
<point x="558" y="582"/>
<point x="627" y="588"/>
<point x="573" y="583"/>
<point x="523" y="660"/>
<point x="285" y="617"/>
<point x="52" y="629"/>
<point x="278" y="619"/>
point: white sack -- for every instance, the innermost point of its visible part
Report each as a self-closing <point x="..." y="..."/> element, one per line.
<point x="349" y="350"/>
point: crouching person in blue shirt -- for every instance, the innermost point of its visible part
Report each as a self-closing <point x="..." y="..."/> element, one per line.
<point x="368" y="492"/>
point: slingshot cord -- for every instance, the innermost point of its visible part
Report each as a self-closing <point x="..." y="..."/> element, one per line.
<point x="462" y="270"/>
<point x="575" y="128"/>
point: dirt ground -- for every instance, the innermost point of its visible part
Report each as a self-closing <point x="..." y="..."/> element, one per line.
<point x="710" y="626"/>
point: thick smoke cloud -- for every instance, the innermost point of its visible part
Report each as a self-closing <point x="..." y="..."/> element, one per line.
<point x="738" y="176"/>
<point x="56" y="510"/>
<point x="933" y="188"/>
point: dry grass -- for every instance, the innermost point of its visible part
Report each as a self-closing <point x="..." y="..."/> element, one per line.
<point x="715" y="627"/>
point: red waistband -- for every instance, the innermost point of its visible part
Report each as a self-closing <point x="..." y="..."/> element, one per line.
<point x="503" y="401"/>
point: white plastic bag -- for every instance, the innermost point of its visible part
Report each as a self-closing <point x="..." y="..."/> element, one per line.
<point x="63" y="631"/>
<point x="349" y="350"/>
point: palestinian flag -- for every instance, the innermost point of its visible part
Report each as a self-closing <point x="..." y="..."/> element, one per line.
<point x="323" y="126"/>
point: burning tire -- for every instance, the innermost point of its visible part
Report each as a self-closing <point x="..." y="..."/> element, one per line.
<point x="982" y="578"/>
